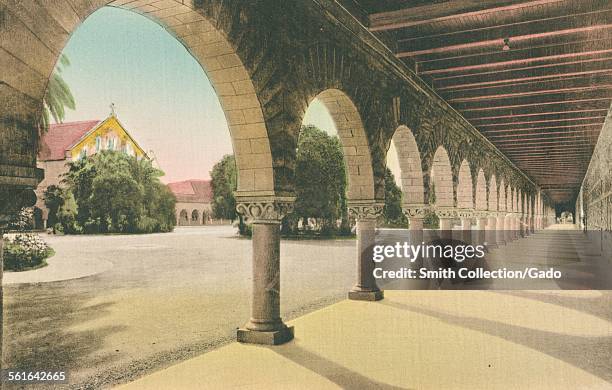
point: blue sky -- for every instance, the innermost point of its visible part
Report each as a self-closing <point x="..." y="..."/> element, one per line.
<point x="161" y="93"/>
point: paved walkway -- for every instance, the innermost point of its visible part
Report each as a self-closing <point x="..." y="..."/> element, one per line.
<point x="427" y="340"/>
<point x="422" y="340"/>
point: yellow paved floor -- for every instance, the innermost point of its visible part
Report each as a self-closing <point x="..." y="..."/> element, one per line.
<point x="419" y="340"/>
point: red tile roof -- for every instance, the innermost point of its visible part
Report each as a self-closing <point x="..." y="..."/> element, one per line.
<point x="192" y="191"/>
<point x="61" y="136"/>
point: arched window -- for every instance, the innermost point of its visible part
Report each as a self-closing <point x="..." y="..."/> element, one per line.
<point x="195" y="216"/>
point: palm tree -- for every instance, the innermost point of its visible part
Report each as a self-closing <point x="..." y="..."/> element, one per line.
<point x="58" y="96"/>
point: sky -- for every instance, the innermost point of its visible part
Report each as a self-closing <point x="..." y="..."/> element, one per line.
<point x="161" y="93"/>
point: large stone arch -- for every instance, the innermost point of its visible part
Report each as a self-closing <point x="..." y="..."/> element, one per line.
<point x="32" y="48"/>
<point x="465" y="187"/>
<point x="410" y="165"/>
<point x="481" y="191"/>
<point x="441" y="176"/>
<point x="354" y="143"/>
<point x="493" y="194"/>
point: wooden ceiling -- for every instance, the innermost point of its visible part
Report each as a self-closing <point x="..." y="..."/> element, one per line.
<point x="541" y="100"/>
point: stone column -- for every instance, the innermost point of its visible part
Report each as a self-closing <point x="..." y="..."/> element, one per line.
<point x="516" y="226"/>
<point x="445" y="215"/>
<point x="491" y="230"/>
<point x="365" y="214"/>
<point x="509" y="226"/>
<point x="501" y="226"/>
<point x="415" y="214"/>
<point x="481" y="225"/>
<point x="466" y="225"/>
<point x="265" y="325"/>
<point x="532" y="224"/>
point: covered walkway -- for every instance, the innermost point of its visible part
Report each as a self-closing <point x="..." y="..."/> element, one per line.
<point x="545" y="339"/>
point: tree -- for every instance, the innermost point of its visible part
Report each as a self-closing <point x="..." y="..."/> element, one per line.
<point x="320" y="179"/>
<point x="117" y="193"/>
<point x="392" y="212"/>
<point x="54" y="199"/>
<point x="224" y="183"/>
<point x="58" y="95"/>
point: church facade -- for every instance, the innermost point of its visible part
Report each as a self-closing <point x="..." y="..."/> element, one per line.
<point x="71" y="141"/>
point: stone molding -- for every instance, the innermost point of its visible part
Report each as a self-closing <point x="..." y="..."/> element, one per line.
<point x="415" y="210"/>
<point x="264" y="209"/>
<point x="465" y="213"/>
<point x="365" y="210"/>
<point x="446" y="212"/>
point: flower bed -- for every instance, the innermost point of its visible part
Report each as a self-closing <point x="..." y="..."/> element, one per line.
<point x="24" y="252"/>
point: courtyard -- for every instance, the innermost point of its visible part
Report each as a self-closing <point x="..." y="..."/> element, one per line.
<point x="137" y="303"/>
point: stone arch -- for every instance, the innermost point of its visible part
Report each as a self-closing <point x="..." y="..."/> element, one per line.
<point x="493" y="195"/>
<point x="410" y="165"/>
<point x="195" y="216"/>
<point x="354" y="143"/>
<point x="481" y="191"/>
<point x="465" y="187"/>
<point x="441" y="176"/>
<point x="502" y="205"/>
<point x="183" y="217"/>
<point x="32" y="57"/>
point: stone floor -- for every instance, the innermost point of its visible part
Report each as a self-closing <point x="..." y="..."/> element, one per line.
<point x="549" y="339"/>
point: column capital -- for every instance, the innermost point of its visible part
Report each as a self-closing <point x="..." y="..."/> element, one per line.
<point x="415" y="210"/>
<point x="264" y="209"/>
<point x="445" y="212"/>
<point x="365" y="209"/>
<point x="465" y="213"/>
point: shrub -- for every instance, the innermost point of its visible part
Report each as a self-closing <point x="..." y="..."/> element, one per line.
<point x="25" y="251"/>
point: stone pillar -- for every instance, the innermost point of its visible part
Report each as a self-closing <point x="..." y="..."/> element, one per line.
<point x="415" y="214"/>
<point x="466" y="225"/>
<point x="445" y="215"/>
<point x="501" y="226"/>
<point x="265" y="325"/>
<point x="509" y="226"/>
<point x="491" y="230"/>
<point x="516" y="226"/>
<point x="481" y="225"/>
<point x="532" y="224"/>
<point x="365" y="213"/>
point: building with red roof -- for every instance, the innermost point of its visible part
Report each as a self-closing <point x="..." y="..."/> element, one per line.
<point x="193" y="202"/>
<point x="70" y="141"/>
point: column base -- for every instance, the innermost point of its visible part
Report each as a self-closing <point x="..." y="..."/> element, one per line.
<point x="274" y="337"/>
<point x="366" y="295"/>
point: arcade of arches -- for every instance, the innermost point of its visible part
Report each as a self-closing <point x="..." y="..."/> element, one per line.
<point x="266" y="72"/>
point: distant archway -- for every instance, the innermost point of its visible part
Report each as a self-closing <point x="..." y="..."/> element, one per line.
<point x="465" y="192"/>
<point x="441" y="179"/>
<point x="410" y="165"/>
<point x="354" y="141"/>
<point x="481" y="191"/>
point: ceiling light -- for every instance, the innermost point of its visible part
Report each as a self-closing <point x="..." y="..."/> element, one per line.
<point x="506" y="44"/>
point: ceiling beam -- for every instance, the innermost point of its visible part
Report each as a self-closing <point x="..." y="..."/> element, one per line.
<point x="536" y="88"/>
<point x="519" y="34"/>
<point x="529" y="55"/>
<point x="538" y="109"/>
<point x="437" y="12"/>
<point x="581" y="68"/>
<point x="567" y="113"/>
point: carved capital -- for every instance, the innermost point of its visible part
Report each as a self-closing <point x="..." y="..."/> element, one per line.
<point x="415" y="210"/>
<point x="364" y="210"/>
<point x="465" y="213"/>
<point x="445" y="212"/>
<point x="264" y="209"/>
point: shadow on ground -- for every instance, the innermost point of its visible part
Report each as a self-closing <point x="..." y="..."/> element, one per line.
<point x="40" y="335"/>
<point x="590" y="354"/>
